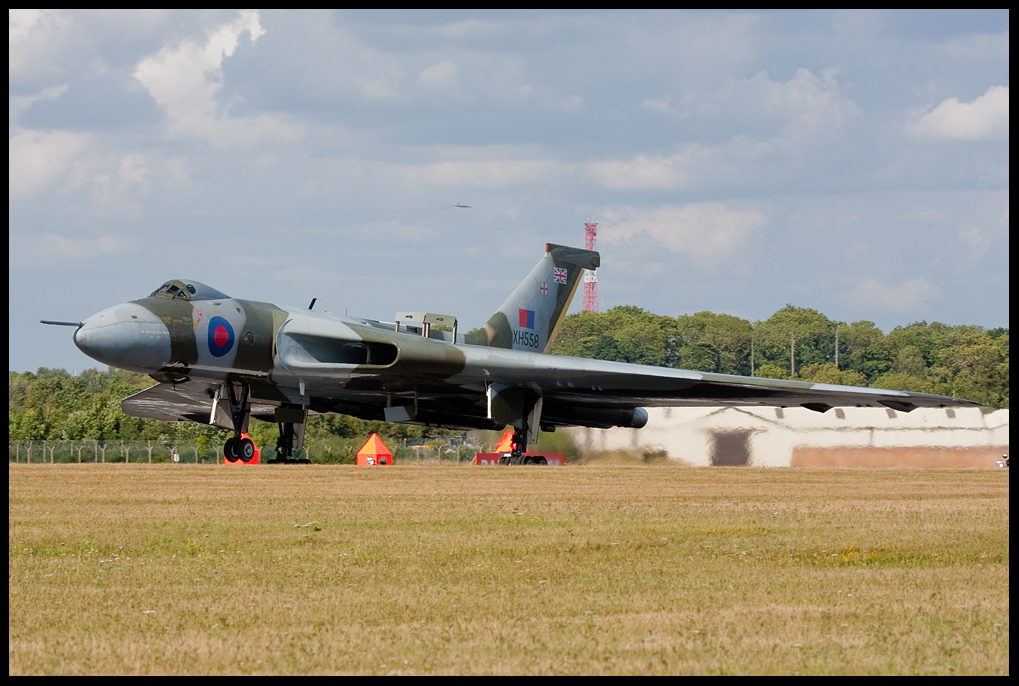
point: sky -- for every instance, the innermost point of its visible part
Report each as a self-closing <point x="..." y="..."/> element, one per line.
<point x="853" y="162"/>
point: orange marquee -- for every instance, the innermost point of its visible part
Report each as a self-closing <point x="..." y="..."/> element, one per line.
<point x="374" y="452"/>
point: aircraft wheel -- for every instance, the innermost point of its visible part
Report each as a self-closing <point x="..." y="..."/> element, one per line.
<point x="528" y="459"/>
<point x="245" y="449"/>
<point x="540" y="460"/>
<point x="230" y="450"/>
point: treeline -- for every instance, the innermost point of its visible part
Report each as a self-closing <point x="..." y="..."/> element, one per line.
<point x="798" y="343"/>
<point x="53" y="405"/>
<point x="962" y="361"/>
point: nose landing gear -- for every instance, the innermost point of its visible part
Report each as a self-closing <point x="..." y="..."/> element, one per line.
<point x="242" y="449"/>
<point x="291" y="419"/>
<point x="239" y="447"/>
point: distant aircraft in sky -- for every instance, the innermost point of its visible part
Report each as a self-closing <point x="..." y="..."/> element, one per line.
<point x="466" y="207"/>
<point x="221" y="360"/>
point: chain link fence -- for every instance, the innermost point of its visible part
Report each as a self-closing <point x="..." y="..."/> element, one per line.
<point x="451" y="450"/>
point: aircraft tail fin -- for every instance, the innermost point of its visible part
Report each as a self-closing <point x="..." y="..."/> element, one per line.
<point x="531" y="316"/>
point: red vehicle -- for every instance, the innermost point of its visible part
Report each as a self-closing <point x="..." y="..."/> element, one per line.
<point x="504" y="451"/>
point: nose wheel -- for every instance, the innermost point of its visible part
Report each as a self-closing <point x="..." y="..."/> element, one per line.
<point x="242" y="449"/>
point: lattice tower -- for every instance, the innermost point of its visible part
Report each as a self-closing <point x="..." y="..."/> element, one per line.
<point x="590" y="277"/>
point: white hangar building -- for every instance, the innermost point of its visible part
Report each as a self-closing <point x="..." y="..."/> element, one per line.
<point x="783" y="437"/>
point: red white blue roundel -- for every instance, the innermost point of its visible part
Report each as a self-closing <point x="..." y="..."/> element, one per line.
<point x="221" y="336"/>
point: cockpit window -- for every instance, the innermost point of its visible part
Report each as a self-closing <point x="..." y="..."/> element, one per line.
<point x="168" y="290"/>
<point x="187" y="290"/>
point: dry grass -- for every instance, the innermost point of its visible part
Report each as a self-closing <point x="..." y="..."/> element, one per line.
<point x="598" y="570"/>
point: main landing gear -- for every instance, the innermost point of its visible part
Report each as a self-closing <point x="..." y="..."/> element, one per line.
<point x="291" y="420"/>
<point x="518" y="455"/>
<point x="285" y="444"/>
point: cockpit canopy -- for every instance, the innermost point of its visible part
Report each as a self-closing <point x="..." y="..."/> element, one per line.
<point x="187" y="290"/>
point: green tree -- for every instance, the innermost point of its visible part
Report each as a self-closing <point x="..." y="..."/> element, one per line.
<point x="701" y="356"/>
<point x="897" y="381"/>
<point x="910" y="360"/>
<point x="807" y="331"/>
<point x="975" y="368"/>
<point x="729" y="339"/>
<point x="830" y="374"/>
<point x="623" y="334"/>
<point x="772" y="371"/>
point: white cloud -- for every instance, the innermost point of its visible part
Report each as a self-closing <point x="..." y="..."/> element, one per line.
<point x="984" y="118"/>
<point x="184" y="81"/>
<point x="443" y="76"/>
<point x="981" y="230"/>
<point x="571" y="103"/>
<point x="807" y="101"/>
<point x="34" y="38"/>
<point x="979" y="47"/>
<point x="648" y="172"/>
<point x="804" y="115"/>
<point x="479" y="174"/>
<point x="871" y="295"/>
<point x="805" y="104"/>
<point x="659" y="105"/>
<point x="177" y="172"/>
<point x="38" y="159"/>
<point x="133" y="169"/>
<point x="116" y="193"/>
<point x="16" y="104"/>
<point x="708" y="230"/>
<point x="470" y="28"/>
<point x="51" y="246"/>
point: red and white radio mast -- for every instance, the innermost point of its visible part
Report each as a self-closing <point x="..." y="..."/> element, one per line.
<point x="590" y="277"/>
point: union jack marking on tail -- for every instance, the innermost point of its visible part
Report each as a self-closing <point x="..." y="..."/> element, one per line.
<point x="559" y="274"/>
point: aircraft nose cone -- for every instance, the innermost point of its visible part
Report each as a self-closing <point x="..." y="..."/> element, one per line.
<point x="127" y="337"/>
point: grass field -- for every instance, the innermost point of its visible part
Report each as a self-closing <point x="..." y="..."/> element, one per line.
<point x="170" y="569"/>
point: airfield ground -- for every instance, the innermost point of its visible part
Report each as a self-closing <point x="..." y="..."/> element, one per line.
<point x="170" y="569"/>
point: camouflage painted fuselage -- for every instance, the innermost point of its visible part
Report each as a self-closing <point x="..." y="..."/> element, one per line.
<point x="198" y="342"/>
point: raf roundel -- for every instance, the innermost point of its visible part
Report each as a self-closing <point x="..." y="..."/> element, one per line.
<point x="221" y="336"/>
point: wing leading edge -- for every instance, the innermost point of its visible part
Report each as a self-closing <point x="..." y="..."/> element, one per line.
<point x="618" y="384"/>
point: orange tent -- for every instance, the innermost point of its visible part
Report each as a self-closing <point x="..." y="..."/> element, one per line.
<point x="374" y="452"/>
<point x="505" y="444"/>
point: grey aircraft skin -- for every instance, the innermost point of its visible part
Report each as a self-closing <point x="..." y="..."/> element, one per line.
<point x="221" y="360"/>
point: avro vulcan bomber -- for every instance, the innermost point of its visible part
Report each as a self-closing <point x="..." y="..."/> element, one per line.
<point x="221" y="360"/>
